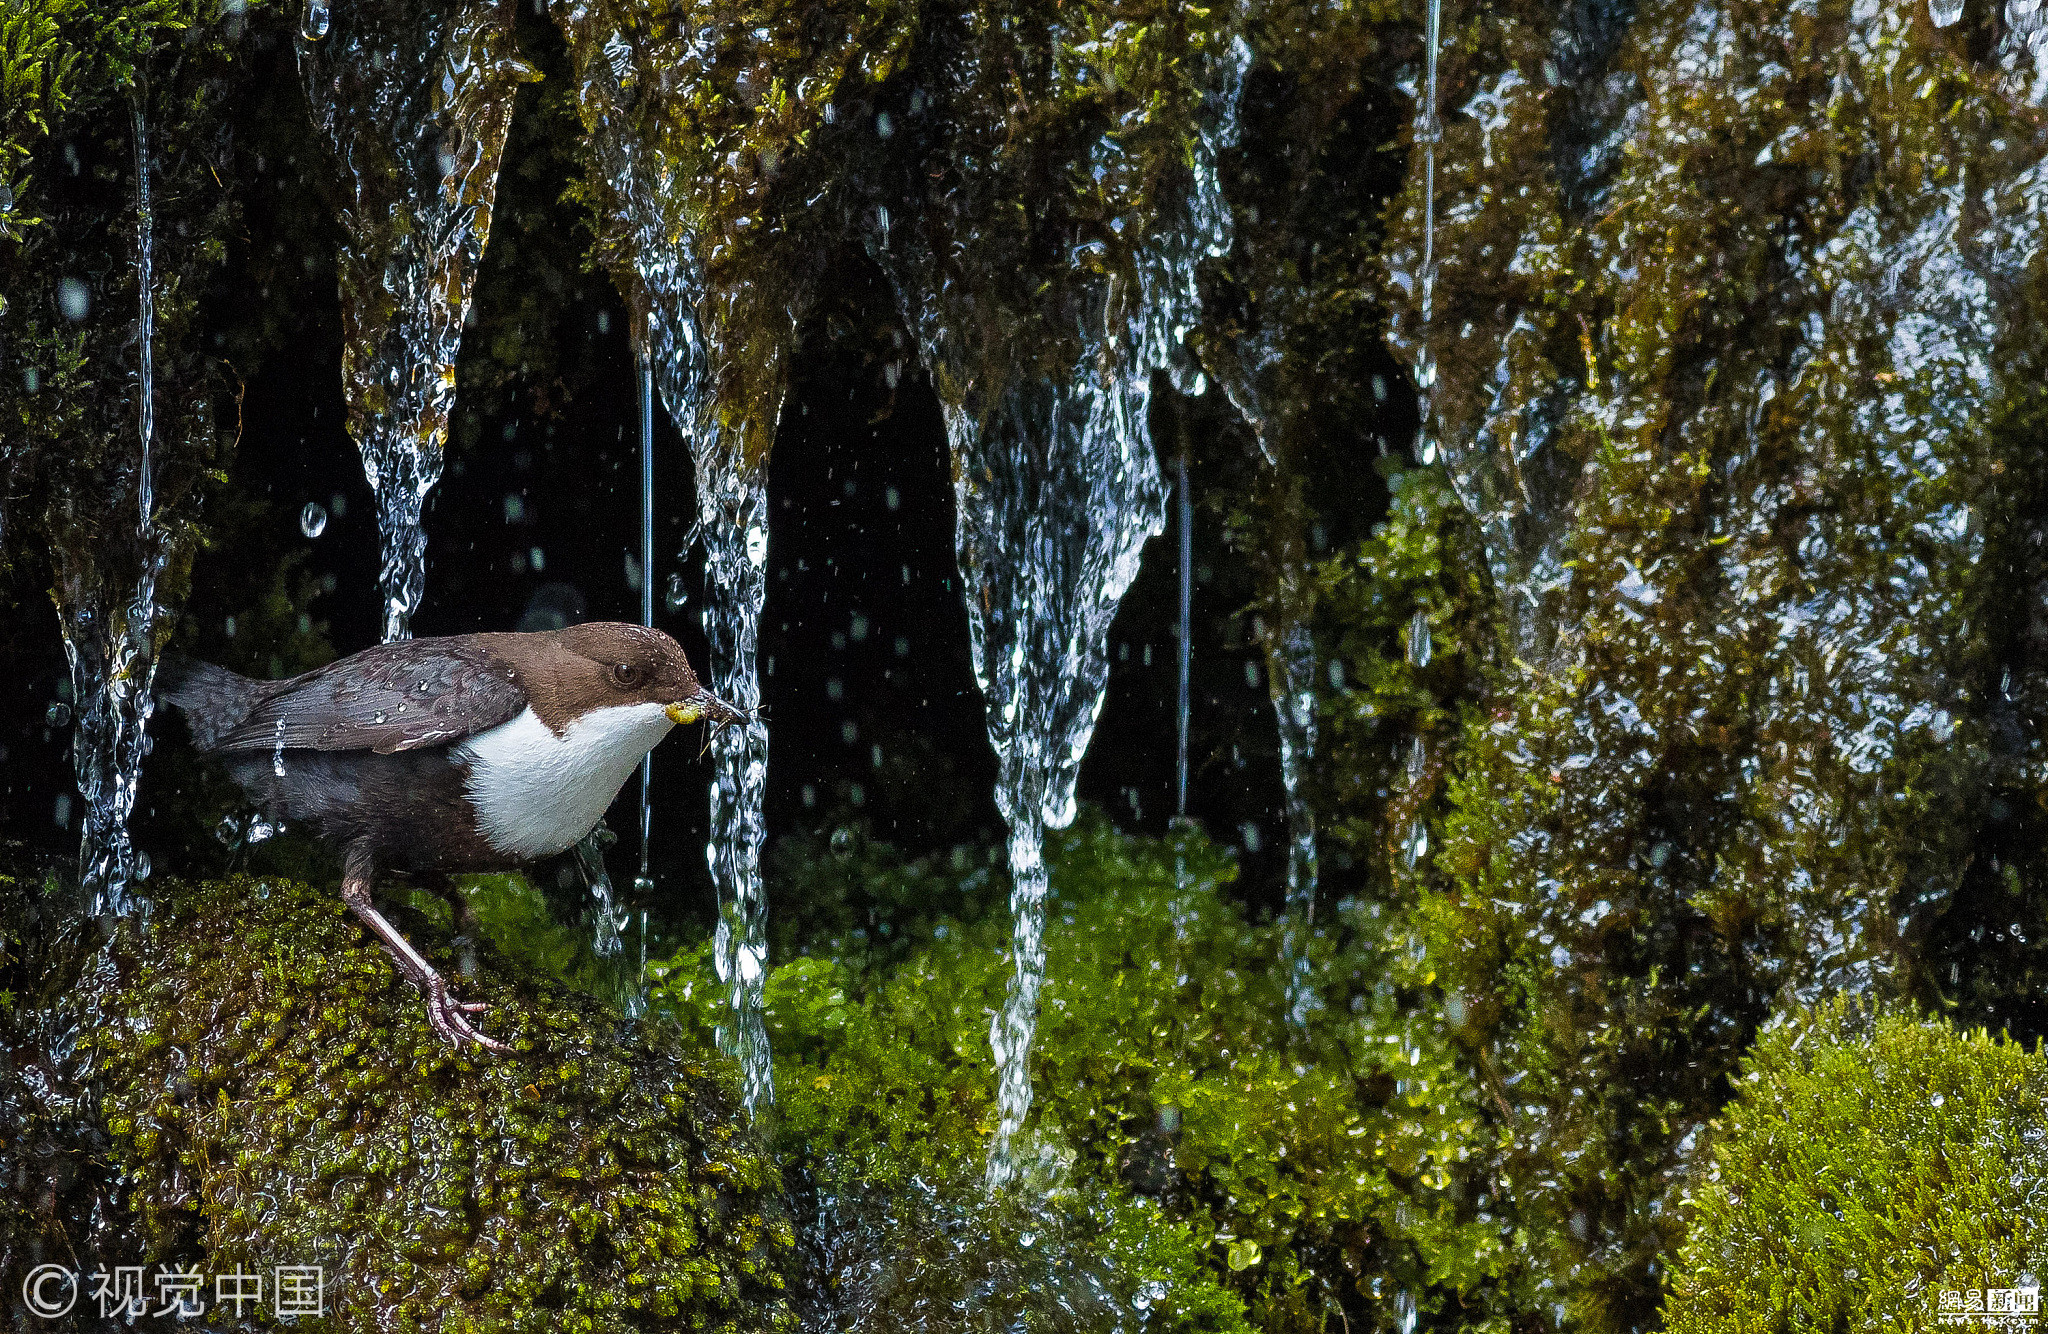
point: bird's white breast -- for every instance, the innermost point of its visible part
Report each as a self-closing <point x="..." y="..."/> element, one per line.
<point x="536" y="793"/>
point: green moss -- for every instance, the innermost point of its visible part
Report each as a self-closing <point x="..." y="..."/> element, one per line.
<point x="1745" y="745"/>
<point x="1190" y="1147"/>
<point x="284" y="1102"/>
<point x="1869" y="1165"/>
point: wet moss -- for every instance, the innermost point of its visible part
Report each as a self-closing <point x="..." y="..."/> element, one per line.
<point x="283" y="1101"/>
<point x="1192" y="1158"/>
<point x="1717" y="365"/>
<point x="1875" y="1171"/>
<point x="709" y="146"/>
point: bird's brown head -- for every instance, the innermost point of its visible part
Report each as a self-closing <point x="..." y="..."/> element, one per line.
<point x="610" y="663"/>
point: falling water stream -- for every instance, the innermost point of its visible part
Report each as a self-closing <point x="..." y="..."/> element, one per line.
<point x="415" y="102"/>
<point x="1056" y="490"/>
<point x="681" y="314"/>
<point x="1290" y="681"/>
<point x="111" y="649"/>
<point x="643" y="365"/>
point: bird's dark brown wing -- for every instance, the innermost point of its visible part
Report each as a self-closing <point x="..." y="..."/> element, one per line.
<point x="401" y="696"/>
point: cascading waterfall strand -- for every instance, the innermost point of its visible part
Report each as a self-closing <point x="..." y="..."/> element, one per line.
<point x="112" y="650"/>
<point x="643" y="884"/>
<point x="1059" y="496"/>
<point x="1057" y="489"/>
<point x="1290" y="680"/>
<point x="1414" y="840"/>
<point x="733" y="511"/>
<point x="415" y="102"/>
<point x="636" y="80"/>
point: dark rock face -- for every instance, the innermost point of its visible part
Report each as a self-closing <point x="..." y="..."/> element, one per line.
<point x="275" y="1097"/>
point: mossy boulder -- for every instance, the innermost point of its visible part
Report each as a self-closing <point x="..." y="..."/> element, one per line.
<point x="276" y="1098"/>
<point x="1869" y="1166"/>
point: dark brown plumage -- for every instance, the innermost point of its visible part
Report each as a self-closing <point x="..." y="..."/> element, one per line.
<point x="437" y="756"/>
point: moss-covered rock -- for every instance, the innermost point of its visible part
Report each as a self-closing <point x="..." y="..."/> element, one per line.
<point x="1874" y="1173"/>
<point x="281" y="1101"/>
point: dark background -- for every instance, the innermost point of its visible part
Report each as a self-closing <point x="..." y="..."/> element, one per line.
<point x="875" y="721"/>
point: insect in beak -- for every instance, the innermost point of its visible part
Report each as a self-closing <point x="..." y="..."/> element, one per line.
<point x="705" y="705"/>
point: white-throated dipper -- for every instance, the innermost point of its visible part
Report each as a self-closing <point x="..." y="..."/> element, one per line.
<point x="435" y="756"/>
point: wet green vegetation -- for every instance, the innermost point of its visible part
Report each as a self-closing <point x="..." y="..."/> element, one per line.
<point x="1862" y="1149"/>
<point x="287" y="1104"/>
<point x="1722" y="525"/>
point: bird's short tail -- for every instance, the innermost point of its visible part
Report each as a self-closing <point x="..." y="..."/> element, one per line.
<point x="214" y="699"/>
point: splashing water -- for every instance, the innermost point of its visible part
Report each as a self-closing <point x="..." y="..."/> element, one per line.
<point x="415" y="101"/>
<point x="608" y="916"/>
<point x="1056" y="489"/>
<point x="111" y="650"/>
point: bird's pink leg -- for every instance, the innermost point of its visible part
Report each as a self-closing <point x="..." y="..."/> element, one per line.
<point x="449" y="1017"/>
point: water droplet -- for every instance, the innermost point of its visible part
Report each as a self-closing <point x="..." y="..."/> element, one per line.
<point x="676" y="595"/>
<point x="859" y="628"/>
<point x="73" y="300"/>
<point x="884" y="127"/>
<point x="1944" y="12"/>
<point x="61" y="809"/>
<point x="314" y="25"/>
<point x="892" y="498"/>
<point x="259" y="830"/>
<point x="142" y="866"/>
<point x="1419" y="646"/>
<point x="313" y="519"/>
<point x="58" y="714"/>
<point x="1417" y="844"/>
<point x="757" y="545"/>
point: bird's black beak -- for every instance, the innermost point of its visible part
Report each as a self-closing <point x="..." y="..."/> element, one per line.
<point x="704" y="704"/>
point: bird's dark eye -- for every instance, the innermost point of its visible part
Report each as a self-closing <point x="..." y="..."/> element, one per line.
<point x="626" y="674"/>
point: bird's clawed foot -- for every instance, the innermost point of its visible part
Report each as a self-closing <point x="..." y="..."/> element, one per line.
<point x="450" y="1017"/>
